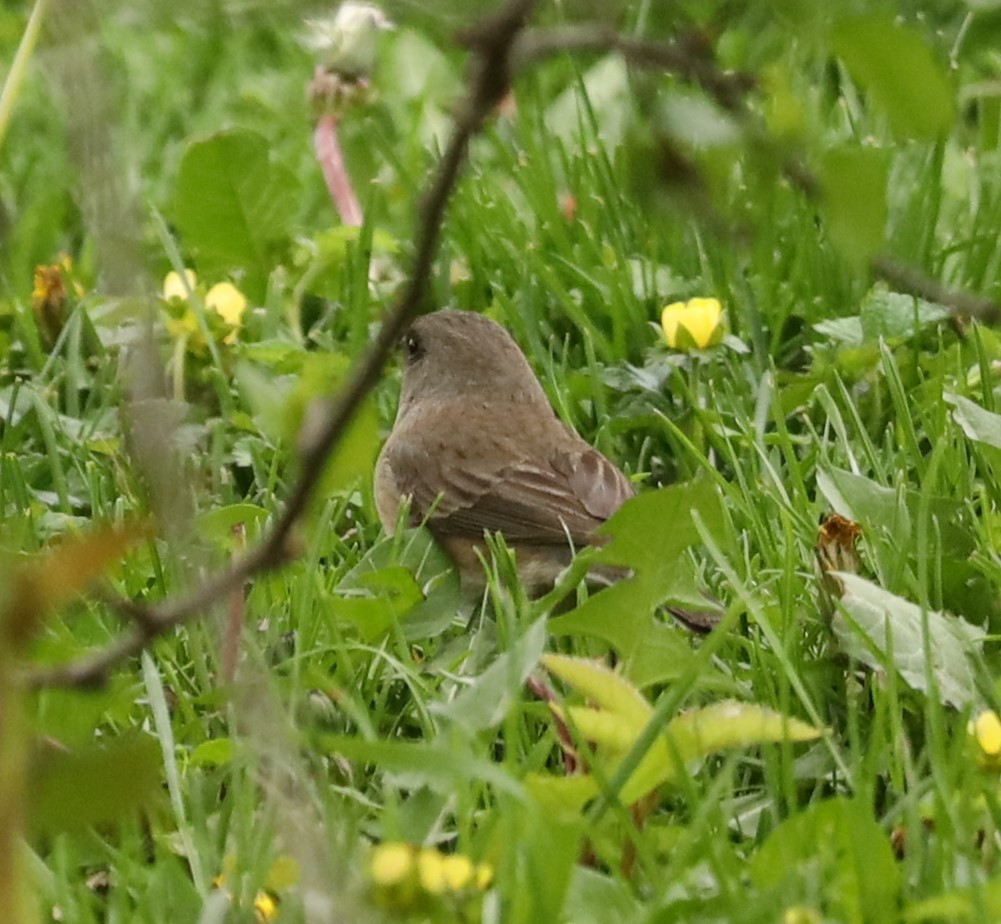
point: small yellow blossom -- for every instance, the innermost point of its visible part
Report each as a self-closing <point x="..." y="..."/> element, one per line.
<point x="458" y="872"/>
<point x="265" y="907"/>
<point x="391" y="863"/>
<point x="226" y="300"/>
<point x="700" y="318"/>
<point x="174" y="287"/>
<point x="431" y="871"/>
<point x="484" y="876"/>
<point x="801" y="914"/>
<point x="986" y="730"/>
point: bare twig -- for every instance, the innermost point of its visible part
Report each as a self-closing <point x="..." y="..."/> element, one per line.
<point x="491" y="44"/>
<point x="690" y="59"/>
<point x="911" y="280"/>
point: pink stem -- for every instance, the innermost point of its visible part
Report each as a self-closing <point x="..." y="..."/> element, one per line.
<point x="331" y="160"/>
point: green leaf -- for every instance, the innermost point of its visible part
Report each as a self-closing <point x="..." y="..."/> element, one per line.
<point x="895" y="66"/>
<point x="604" y="89"/>
<point x="853" y="186"/>
<point x="979" y="425"/>
<point x="485" y="703"/>
<point x="650" y="534"/>
<point x="419" y="763"/>
<point x="93" y="785"/>
<point x="731" y="724"/>
<point x="603" y="687"/>
<point x="880" y="509"/>
<point x="214" y="753"/>
<point x="883" y="630"/>
<point x="894" y="316"/>
<point x="219" y="524"/>
<point x="834" y="854"/>
<point x="388" y="595"/>
<point x="651" y="530"/>
<point x="232" y="203"/>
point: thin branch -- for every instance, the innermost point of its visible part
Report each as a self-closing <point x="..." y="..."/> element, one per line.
<point x="911" y="280"/>
<point x="691" y="58"/>
<point x="491" y="44"/>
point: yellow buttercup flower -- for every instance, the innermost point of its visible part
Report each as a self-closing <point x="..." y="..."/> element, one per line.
<point x="226" y="300"/>
<point x="697" y="323"/>
<point x="458" y="872"/>
<point x="431" y="871"/>
<point x="391" y="863"/>
<point x="265" y="907"/>
<point x="986" y="731"/>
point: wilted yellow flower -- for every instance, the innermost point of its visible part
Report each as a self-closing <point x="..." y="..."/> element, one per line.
<point x="700" y="318"/>
<point x="986" y="731"/>
<point x="391" y="863"/>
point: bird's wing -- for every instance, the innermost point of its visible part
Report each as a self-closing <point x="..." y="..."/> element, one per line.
<point x="566" y="496"/>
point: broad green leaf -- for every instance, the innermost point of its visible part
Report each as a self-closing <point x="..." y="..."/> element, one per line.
<point x="836" y="849"/>
<point x="979" y="424"/>
<point x="885" y="631"/>
<point x="877" y="508"/>
<point x="893" y="316"/>
<point x="604" y="687"/>
<point x="652" y="529"/>
<point x="548" y="845"/>
<point x="213" y="753"/>
<point x="93" y="785"/>
<point x="697" y="733"/>
<point x="968" y="906"/>
<point x="597" y="898"/>
<point x="731" y="724"/>
<point x="853" y="185"/>
<point x="485" y="703"/>
<point x="438" y="600"/>
<point x="561" y="795"/>
<point x="420" y="763"/>
<point x="232" y="203"/>
<point x="382" y="597"/>
<point x="219" y="524"/>
<point x="605" y="90"/>
<point x="895" y="66"/>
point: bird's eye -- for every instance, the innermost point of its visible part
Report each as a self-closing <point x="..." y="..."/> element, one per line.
<point x="413" y="347"/>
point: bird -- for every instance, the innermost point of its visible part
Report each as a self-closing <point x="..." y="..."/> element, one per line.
<point x="477" y="448"/>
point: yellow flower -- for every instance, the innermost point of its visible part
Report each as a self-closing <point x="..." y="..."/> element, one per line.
<point x="391" y="863"/>
<point x="431" y="871"/>
<point x="484" y="876"/>
<point x="174" y="287"/>
<point x="265" y="907"/>
<point x="226" y="300"/>
<point x="700" y="319"/>
<point x="986" y="731"/>
<point x="801" y="914"/>
<point x="458" y="872"/>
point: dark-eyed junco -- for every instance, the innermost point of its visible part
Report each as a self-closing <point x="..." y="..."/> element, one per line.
<point x="477" y="448"/>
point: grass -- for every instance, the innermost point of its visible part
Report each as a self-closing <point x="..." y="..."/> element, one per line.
<point x="370" y="705"/>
